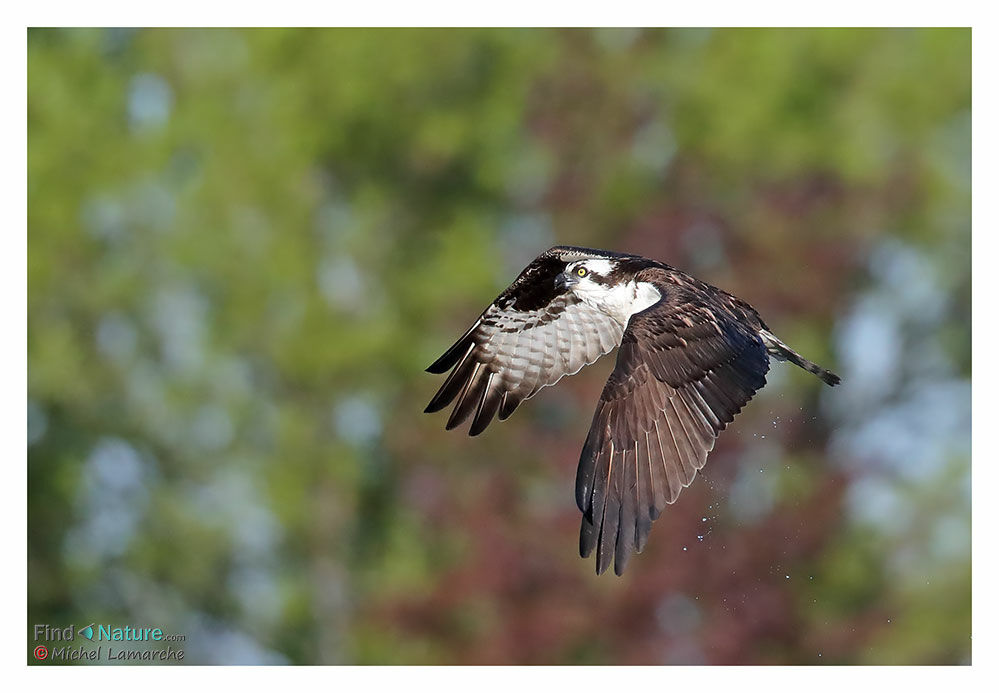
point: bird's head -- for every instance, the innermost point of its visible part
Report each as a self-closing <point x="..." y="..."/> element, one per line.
<point x="587" y="277"/>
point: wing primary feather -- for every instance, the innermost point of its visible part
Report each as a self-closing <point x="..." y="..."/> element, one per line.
<point x="454" y="383"/>
<point x="715" y="404"/>
<point x="643" y="495"/>
<point x="587" y="469"/>
<point x="729" y="397"/>
<point x="700" y="428"/>
<point x="466" y="400"/>
<point x="727" y="384"/>
<point x="749" y="380"/>
<point x="454" y="353"/>
<point x="670" y="465"/>
<point x="657" y="470"/>
<point x="601" y="480"/>
<point x="588" y="536"/>
<point x="488" y="404"/>
<point x="698" y="450"/>
<point x="624" y="544"/>
<point x="611" y="517"/>
<point x="596" y="512"/>
<point x="511" y="400"/>
<point x="694" y="449"/>
<point x="705" y="409"/>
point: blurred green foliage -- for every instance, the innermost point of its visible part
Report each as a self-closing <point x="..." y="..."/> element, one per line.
<point x="245" y="245"/>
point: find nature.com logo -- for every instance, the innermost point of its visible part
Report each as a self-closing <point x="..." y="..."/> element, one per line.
<point x="136" y="643"/>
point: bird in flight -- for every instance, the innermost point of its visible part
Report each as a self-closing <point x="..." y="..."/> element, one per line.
<point x="691" y="356"/>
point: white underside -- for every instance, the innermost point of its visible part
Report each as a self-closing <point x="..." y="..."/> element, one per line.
<point x="619" y="302"/>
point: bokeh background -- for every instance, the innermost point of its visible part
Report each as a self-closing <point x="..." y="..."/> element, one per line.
<point x="244" y="247"/>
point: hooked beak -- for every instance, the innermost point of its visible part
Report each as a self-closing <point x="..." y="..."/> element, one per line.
<point x="562" y="282"/>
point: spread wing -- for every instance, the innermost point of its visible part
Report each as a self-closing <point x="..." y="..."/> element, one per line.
<point x="686" y="366"/>
<point x="529" y="337"/>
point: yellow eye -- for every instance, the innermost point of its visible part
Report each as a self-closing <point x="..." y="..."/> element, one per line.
<point x="581" y="271"/>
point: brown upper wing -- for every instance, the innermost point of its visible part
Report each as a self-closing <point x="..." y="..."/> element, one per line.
<point x="686" y="366"/>
<point x="529" y="338"/>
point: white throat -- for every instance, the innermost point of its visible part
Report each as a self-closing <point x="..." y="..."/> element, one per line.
<point x="620" y="301"/>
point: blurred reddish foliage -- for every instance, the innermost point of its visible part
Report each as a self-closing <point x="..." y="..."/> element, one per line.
<point x="518" y="593"/>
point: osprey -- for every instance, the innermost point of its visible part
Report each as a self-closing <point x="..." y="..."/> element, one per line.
<point x="691" y="356"/>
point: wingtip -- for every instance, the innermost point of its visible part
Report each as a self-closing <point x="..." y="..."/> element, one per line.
<point x="830" y="378"/>
<point x="436" y="367"/>
<point x="603" y="561"/>
<point x="435" y="405"/>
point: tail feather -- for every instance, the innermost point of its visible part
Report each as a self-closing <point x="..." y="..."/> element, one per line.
<point x="783" y="352"/>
